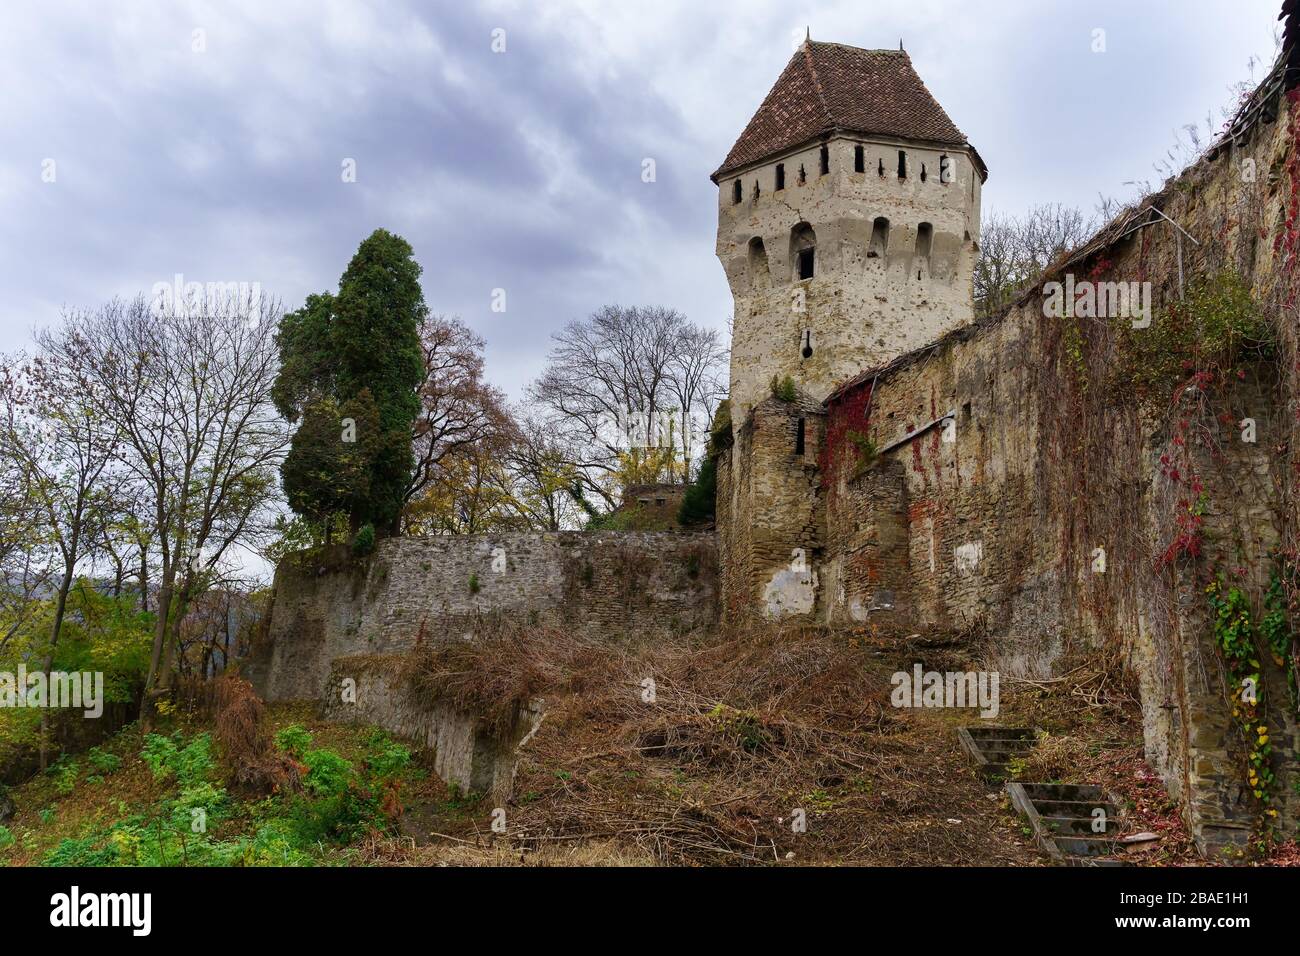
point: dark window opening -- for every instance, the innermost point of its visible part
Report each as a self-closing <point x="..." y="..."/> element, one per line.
<point x="803" y="242"/>
<point x="881" y="167"/>
<point x="806" y="351"/>
<point x="737" y="192"/>
<point x="965" y="412"/>
<point x="859" y="159"/>
<point x="924" y="241"/>
<point x="902" y="164"/>
<point x="879" y="238"/>
<point x="755" y="193"/>
<point x="758" y="269"/>
<point x="826" y="160"/>
<point x="780" y="175"/>
<point x="806" y="263"/>
<point x="799" y="438"/>
<point x="803" y="176"/>
<point x="923" y="172"/>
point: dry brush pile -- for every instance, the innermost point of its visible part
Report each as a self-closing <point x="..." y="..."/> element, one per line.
<point x="716" y="750"/>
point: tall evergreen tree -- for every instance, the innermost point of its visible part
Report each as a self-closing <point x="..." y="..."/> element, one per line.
<point x="358" y="350"/>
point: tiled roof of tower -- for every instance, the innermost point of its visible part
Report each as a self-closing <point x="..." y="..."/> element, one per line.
<point x="830" y="86"/>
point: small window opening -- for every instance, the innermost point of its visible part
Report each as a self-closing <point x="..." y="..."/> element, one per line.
<point x="806" y="351"/>
<point x="780" y="175"/>
<point x="826" y="160"/>
<point x="803" y="176"/>
<point x="859" y="159"/>
<point x="803" y="243"/>
<point x="924" y="241"/>
<point x="923" y="174"/>
<point x="902" y="164"/>
<point x="879" y="238"/>
<point x="965" y="412"/>
<point x="806" y="263"/>
<point x="881" y="167"/>
<point x="754" y="195"/>
<point x="799" y="438"/>
<point x="758" y="268"/>
<point x="737" y="192"/>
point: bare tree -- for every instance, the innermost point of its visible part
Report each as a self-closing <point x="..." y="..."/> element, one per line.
<point x="53" y="430"/>
<point x="458" y="409"/>
<point x="1015" y="250"/>
<point x="622" y="367"/>
<point x="28" y="559"/>
<point x="191" y="385"/>
<point x="543" y="475"/>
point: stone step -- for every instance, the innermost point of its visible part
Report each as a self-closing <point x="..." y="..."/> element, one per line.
<point x="1087" y="846"/>
<point x="992" y="748"/>
<point x="1082" y="826"/>
<point x="1080" y="809"/>
<point x="984" y="732"/>
<point x="1064" y="791"/>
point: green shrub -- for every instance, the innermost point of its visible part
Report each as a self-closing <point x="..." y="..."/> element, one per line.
<point x="6" y="837"/>
<point x="293" y="740"/>
<point x="363" y="542"/>
<point x="64" y="772"/>
<point x="189" y="764"/>
<point x="81" y="852"/>
<point x="783" y="389"/>
<point x="103" y="761"/>
<point x="700" y="503"/>
<point x="328" y="774"/>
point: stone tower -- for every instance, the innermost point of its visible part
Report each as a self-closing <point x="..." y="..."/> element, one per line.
<point x="848" y="216"/>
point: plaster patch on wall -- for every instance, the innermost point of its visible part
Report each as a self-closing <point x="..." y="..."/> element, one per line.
<point x="967" y="557"/>
<point x="790" y="592"/>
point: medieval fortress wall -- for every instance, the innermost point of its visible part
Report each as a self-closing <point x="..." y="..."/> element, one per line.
<point x="611" y="585"/>
<point x="1004" y="479"/>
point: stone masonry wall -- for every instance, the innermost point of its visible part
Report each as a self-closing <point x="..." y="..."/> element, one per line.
<point x="608" y="584"/>
<point x="769" y="518"/>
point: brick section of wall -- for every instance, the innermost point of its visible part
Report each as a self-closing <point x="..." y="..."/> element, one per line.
<point x="608" y="584"/>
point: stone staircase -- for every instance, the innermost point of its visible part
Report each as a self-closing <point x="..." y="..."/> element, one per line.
<point x="1072" y="823"/>
<point x="992" y="748"/>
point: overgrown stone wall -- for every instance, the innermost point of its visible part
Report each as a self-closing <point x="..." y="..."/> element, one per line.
<point x="1022" y="475"/>
<point x="607" y="584"/>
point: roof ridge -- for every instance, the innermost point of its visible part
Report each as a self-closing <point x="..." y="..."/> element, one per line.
<point x="817" y="83"/>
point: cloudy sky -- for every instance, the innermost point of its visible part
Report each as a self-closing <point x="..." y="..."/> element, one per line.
<point x="208" y="139"/>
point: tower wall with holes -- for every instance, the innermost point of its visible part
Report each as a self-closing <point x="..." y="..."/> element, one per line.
<point x="892" y="250"/>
